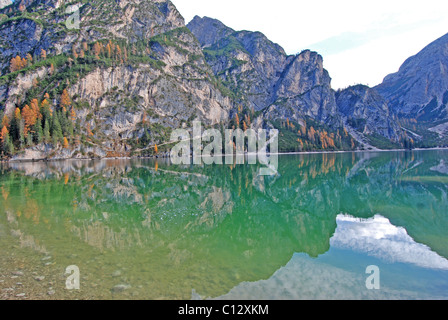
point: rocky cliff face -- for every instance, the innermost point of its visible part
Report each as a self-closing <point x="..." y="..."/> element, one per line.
<point x="262" y="76"/>
<point x="5" y="3"/>
<point x="420" y="88"/>
<point x="366" y="110"/>
<point x="157" y="81"/>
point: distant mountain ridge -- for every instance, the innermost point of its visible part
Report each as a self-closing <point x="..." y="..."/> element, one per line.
<point x="262" y="75"/>
<point x="420" y="88"/>
<point x="289" y="86"/>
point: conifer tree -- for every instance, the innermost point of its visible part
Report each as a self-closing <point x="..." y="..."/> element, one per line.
<point x="56" y="129"/>
<point x="6" y="142"/>
<point x="39" y="131"/>
<point x="46" y="130"/>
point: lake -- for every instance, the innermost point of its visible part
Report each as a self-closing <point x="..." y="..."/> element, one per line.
<point x="146" y="229"/>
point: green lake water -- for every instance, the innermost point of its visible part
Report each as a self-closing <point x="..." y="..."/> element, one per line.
<point x="146" y="229"/>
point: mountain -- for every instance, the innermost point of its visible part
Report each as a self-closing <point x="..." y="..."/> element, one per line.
<point x="365" y="110"/>
<point x="115" y="78"/>
<point x="420" y="88"/>
<point x="292" y="88"/>
<point x="418" y="93"/>
<point x="263" y="77"/>
<point x="132" y="70"/>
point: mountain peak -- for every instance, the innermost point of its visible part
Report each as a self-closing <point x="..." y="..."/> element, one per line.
<point x="208" y="31"/>
<point x="420" y="87"/>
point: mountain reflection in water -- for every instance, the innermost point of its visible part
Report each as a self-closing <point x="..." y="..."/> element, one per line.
<point x="169" y="230"/>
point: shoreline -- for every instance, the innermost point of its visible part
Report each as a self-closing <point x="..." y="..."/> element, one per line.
<point x="245" y="154"/>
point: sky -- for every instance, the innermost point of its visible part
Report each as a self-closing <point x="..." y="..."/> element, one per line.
<point x="360" y="41"/>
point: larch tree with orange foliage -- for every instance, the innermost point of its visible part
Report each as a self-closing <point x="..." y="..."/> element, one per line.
<point x="237" y="121"/>
<point x="73" y="115"/>
<point x="97" y="50"/>
<point x="3" y="133"/>
<point x="5" y="121"/>
<point x="17" y="64"/>
<point x="109" y="50"/>
<point x="30" y="116"/>
<point x="65" y="145"/>
<point x="65" y="100"/>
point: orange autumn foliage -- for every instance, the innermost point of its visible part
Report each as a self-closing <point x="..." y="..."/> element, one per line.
<point x="3" y="134"/>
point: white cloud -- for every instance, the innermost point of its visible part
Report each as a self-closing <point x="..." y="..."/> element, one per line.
<point x="379" y="238"/>
<point x="310" y="279"/>
<point x="339" y="277"/>
<point x="387" y="32"/>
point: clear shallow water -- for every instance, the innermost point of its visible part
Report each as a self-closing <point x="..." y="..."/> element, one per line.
<point x="179" y="232"/>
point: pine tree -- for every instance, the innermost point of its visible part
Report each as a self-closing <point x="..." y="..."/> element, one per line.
<point x="39" y="131"/>
<point x="6" y="142"/>
<point x="21" y="130"/>
<point x="14" y="125"/>
<point x="45" y="109"/>
<point x="29" y="140"/>
<point x="46" y="131"/>
<point x="56" y="129"/>
<point x="78" y="126"/>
